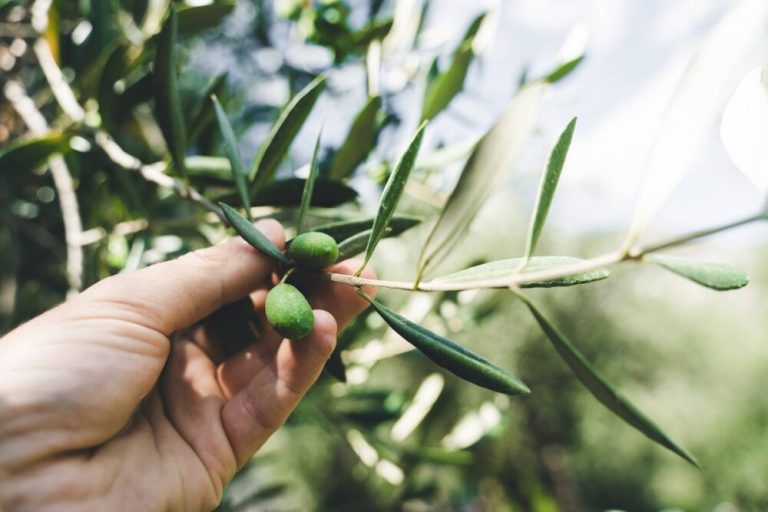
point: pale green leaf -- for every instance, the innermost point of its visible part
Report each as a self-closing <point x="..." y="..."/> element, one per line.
<point x="717" y="276"/>
<point x="505" y="268"/>
<point x="491" y="157"/>
<point x="601" y="389"/>
<point x="359" y="142"/>
<point x="744" y="129"/>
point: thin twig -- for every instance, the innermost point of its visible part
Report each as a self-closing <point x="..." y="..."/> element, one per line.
<point x="62" y="181"/>
<point x="59" y="86"/>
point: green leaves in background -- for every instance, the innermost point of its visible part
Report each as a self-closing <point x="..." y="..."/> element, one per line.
<point x="253" y="236"/>
<point x="201" y="16"/>
<point x="359" y="142"/>
<point x="230" y="149"/>
<point x="451" y="356"/>
<point x="600" y="389"/>
<point x="27" y="154"/>
<point x="717" y="276"/>
<point x="343" y="230"/>
<point x="167" y="101"/>
<point x="283" y="132"/>
<point x="504" y="268"/>
<point x="309" y="186"/>
<point x="443" y="87"/>
<point x="491" y="156"/>
<point x="393" y="191"/>
<point x="548" y="186"/>
<point x="203" y="114"/>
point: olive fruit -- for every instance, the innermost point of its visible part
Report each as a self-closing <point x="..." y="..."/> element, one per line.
<point x="288" y="312"/>
<point x="313" y="250"/>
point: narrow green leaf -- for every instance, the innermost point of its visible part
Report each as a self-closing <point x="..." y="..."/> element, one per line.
<point x="283" y="132"/>
<point x="548" y="186"/>
<point x="203" y="114"/>
<point x="490" y="158"/>
<point x="343" y="230"/>
<point x="253" y="236"/>
<point x="504" y="268"/>
<point x="167" y="101"/>
<point x="359" y="142"/>
<point x="209" y="167"/>
<point x="309" y="185"/>
<point x="563" y="70"/>
<point x="194" y="18"/>
<point x="355" y="244"/>
<point x="230" y="149"/>
<point x="600" y="389"/>
<point x="443" y="87"/>
<point x="718" y="276"/>
<point x="451" y="356"/>
<point x="393" y="191"/>
<point x="27" y="154"/>
<point x="335" y="366"/>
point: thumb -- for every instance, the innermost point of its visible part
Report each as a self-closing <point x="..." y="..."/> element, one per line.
<point x="175" y="294"/>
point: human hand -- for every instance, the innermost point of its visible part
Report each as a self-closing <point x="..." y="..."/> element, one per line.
<point x="126" y="398"/>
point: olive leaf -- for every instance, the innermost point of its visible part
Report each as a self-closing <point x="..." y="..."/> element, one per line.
<point x="359" y="142"/>
<point x="695" y="105"/>
<point x="253" y="236"/>
<point x="335" y="366"/>
<point x="548" y="186"/>
<point x="443" y="87"/>
<point x="451" y="356"/>
<point x="203" y="114"/>
<point x="201" y="16"/>
<point x="27" y="154"/>
<point x="491" y="156"/>
<point x="215" y="167"/>
<point x="718" y="276"/>
<point x="393" y="191"/>
<point x="309" y="185"/>
<point x="600" y="388"/>
<point x="283" y="132"/>
<point x="230" y="149"/>
<point x="346" y="229"/>
<point x="563" y="70"/>
<point x="504" y="268"/>
<point x="288" y="192"/>
<point x="167" y="101"/>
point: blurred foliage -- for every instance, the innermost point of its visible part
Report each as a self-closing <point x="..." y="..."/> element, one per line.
<point x="356" y="445"/>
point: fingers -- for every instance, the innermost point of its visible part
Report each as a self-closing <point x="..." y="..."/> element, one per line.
<point x="264" y="403"/>
<point x="174" y="294"/>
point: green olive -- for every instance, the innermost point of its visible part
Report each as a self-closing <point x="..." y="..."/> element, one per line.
<point x="288" y="312"/>
<point x="313" y="250"/>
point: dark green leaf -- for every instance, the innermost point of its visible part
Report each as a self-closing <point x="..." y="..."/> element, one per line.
<point x="372" y="32"/>
<point x="443" y="87"/>
<point x="230" y="149"/>
<point x="600" y="389"/>
<point x="393" y="191"/>
<point x="283" y="132"/>
<point x="288" y="192"/>
<point x="335" y="366"/>
<point x="309" y="185"/>
<point x="193" y="18"/>
<point x="505" y="268"/>
<point x="490" y="157"/>
<point x="344" y="230"/>
<point x="28" y="154"/>
<point x="451" y="356"/>
<point x="203" y="114"/>
<point x="563" y="70"/>
<point x="548" y="186"/>
<point x="253" y="236"/>
<point x="354" y="245"/>
<point x="717" y="276"/>
<point x="359" y="142"/>
<point x="167" y="101"/>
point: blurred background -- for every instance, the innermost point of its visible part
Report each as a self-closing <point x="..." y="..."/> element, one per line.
<point x="400" y="434"/>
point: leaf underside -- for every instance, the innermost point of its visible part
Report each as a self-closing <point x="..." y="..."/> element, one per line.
<point x="717" y="276"/>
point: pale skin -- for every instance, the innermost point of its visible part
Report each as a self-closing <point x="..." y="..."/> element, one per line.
<point x="125" y="398"/>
